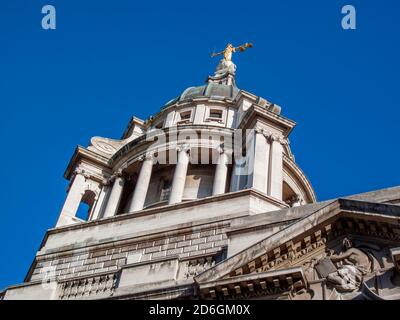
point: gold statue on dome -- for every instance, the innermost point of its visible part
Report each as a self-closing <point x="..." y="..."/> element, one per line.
<point x="227" y="53"/>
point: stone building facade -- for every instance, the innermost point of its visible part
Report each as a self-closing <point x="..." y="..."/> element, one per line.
<point x="204" y="200"/>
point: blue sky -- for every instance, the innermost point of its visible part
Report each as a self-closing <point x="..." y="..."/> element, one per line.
<point x="110" y="60"/>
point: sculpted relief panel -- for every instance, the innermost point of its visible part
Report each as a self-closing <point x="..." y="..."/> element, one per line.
<point x="347" y="268"/>
<point x="345" y="259"/>
<point x="351" y="271"/>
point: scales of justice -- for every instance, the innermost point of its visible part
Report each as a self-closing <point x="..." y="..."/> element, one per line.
<point x="226" y="65"/>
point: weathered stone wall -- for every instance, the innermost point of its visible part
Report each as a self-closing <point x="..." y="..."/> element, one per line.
<point x="105" y="259"/>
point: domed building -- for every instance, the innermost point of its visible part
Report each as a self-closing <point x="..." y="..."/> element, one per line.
<point x="205" y="200"/>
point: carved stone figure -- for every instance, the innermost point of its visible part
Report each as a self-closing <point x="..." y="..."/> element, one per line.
<point x="309" y="269"/>
<point x="352" y="265"/>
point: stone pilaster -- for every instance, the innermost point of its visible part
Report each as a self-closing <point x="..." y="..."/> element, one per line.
<point x="73" y="200"/>
<point x="267" y="175"/>
<point x="261" y="160"/>
<point x="275" y="181"/>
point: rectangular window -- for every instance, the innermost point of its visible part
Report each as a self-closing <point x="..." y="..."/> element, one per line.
<point x="216" y="114"/>
<point x="186" y="115"/>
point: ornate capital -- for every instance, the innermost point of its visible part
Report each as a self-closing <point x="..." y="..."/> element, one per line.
<point x="146" y="156"/>
<point x="106" y="182"/>
<point x="222" y="150"/>
<point x="271" y="137"/>
<point x="183" y="147"/>
<point x="284" y="141"/>
<point x="81" y="172"/>
<point x="117" y="174"/>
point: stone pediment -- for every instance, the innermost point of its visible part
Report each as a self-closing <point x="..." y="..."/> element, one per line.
<point x="307" y="259"/>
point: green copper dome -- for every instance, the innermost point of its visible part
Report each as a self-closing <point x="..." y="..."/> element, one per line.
<point x="210" y="90"/>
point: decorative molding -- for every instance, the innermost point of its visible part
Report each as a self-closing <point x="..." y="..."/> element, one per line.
<point x="181" y="205"/>
<point x="287" y="283"/>
<point x="197" y="266"/>
<point x="77" y="171"/>
<point x="295" y="170"/>
<point x="88" y="287"/>
<point x="297" y="250"/>
<point x="104" y="147"/>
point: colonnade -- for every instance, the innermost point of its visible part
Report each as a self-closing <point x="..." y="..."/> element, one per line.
<point x="138" y="199"/>
<point x="266" y="176"/>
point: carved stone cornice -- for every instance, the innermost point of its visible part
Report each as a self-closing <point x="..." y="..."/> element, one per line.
<point x="295" y="251"/>
<point x="91" y="156"/>
<point x="288" y="281"/>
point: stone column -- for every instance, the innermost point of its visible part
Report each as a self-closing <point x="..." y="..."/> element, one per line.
<point x="178" y="182"/>
<point x="73" y="200"/>
<point x="142" y="184"/>
<point x="275" y="184"/>
<point x="221" y="172"/>
<point x="115" y="195"/>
